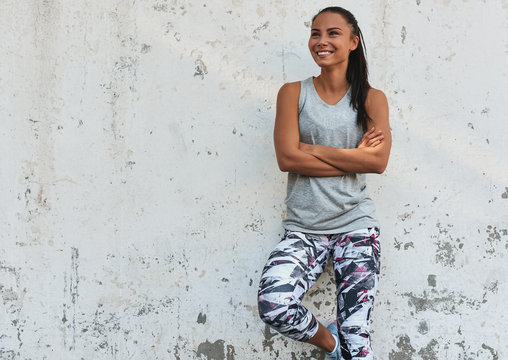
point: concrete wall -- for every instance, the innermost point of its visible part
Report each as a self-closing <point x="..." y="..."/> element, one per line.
<point x="141" y="197"/>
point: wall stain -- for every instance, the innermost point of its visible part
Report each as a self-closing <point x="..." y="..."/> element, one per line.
<point x="201" y="318"/>
<point x="429" y="352"/>
<point x="404" y="349"/>
<point x="398" y="244"/>
<point x="446" y="302"/>
<point x="423" y="327"/>
<point x="403" y="34"/>
<point x="230" y="352"/>
<point x="12" y="296"/>
<point x="211" y="351"/>
<point x="505" y="194"/>
<point x="447" y="247"/>
<point x="315" y="354"/>
<point x="494" y="238"/>
<point x="268" y="340"/>
<point x="201" y="69"/>
<point x="259" y="29"/>
<point x="492" y="352"/>
<point x="71" y="289"/>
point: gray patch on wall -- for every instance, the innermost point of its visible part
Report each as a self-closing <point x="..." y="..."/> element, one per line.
<point x="201" y="69"/>
<point x="431" y="280"/>
<point x="505" y="194"/>
<point x="315" y="354"/>
<point x="495" y="237"/>
<point x="429" y="352"/>
<point x="201" y="318"/>
<point x="404" y="349"/>
<point x="492" y="351"/>
<point x="423" y="327"/>
<point x="446" y="248"/>
<point x="215" y="351"/>
<point x="403" y="34"/>
<point x="268" y="342"/>
<point x="444" y="302"/>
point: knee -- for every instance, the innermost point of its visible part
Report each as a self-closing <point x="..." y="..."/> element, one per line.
<point x="274" y="313"/>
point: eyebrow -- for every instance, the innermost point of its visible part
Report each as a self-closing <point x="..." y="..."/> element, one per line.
<point x="333" y="28"/>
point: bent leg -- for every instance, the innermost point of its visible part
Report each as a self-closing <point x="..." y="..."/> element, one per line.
<point x="356" y="265"/>
<point x="292" y="268"/>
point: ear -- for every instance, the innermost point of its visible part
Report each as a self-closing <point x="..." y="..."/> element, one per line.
<point x="354" y="43"/>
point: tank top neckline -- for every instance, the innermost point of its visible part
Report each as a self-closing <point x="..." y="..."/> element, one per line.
<point x="319" y="97"/>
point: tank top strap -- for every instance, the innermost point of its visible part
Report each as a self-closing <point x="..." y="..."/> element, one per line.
<point x="304" y="92"/>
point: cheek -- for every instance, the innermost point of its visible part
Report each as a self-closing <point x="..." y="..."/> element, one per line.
<point x="310" y="44"/>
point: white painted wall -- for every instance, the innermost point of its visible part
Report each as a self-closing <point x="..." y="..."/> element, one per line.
<point x="141" y="197"/>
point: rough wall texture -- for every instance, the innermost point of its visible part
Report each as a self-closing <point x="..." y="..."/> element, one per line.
<point x="141" y="197"/>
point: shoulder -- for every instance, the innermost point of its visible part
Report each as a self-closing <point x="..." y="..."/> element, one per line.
<point x="289" y="91"/>
<point x="375" y="99"/>
<point x="290" y="88"/>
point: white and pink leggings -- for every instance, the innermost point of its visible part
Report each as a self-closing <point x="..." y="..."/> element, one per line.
<point x="294" y="266"/>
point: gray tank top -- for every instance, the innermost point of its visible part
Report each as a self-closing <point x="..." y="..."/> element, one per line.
<point x="327" y="205"/>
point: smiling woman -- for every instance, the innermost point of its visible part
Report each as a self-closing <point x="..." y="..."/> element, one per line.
<point x="329" y="131"/>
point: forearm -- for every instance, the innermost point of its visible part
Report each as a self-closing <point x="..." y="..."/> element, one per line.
<point x="357" y="160"/>
<point x="302" y="163"/>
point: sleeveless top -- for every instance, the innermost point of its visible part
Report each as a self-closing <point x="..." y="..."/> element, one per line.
<point x="327" y="205"/>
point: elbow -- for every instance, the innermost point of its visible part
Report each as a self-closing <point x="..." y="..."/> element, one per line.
<point x="380" y="167"/>
<point x="285" y="163"/>
<point x="284" y="166"/>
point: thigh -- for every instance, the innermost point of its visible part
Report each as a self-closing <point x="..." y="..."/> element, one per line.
<point x="295" y="264"/>
<point x="356" y="267"/>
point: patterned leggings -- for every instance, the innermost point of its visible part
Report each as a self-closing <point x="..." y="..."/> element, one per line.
<point x="294" y="266"/>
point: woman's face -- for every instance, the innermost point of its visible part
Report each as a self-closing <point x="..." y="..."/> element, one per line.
<point x="330" y="39"/>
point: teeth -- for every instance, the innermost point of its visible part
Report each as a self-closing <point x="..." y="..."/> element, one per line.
<point x="324" y="53"/>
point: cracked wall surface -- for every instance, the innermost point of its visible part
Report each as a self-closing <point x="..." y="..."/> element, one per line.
<point x="141" y="195"/>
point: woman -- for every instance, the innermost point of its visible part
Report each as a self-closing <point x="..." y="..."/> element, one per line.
<point x="318" y="141"/>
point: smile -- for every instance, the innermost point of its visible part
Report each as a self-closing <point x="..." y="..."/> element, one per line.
<point x="324" y="53"/>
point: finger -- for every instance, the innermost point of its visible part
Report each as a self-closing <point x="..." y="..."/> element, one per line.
<point x="379" y="137"/>
<point x="375" y="142"/>
<point x="375" y="134"/>
<point x="369" y="132"/>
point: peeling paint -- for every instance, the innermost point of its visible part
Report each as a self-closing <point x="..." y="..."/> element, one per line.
<point x="430" y="352"/>
<point x="201" y="69"/>
<point x="404" y="349"/>
<point x="201" y="318"/>
<point x="423" y="327"/>
<point x="431" y="280"/>
<point x="444" y="301"/>
<point x="211" y="351"/>
<point x="403" y="34"/>
<point x="268" y="340"/>
<point x="315" y="354"/>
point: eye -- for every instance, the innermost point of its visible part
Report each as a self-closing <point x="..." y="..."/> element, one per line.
<point x="334" y="33"/>
<point x="314" y="34"/>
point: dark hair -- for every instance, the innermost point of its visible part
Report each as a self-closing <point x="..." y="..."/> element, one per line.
<point x="357" y="73"/>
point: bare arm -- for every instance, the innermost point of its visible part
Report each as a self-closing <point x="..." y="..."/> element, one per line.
<point x="365" y="159"/>
<point x="287" y="138"/>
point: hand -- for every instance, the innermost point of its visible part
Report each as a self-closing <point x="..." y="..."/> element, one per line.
<point x="371" y="138"/>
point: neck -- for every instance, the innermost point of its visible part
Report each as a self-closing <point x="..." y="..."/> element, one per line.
<point x="333" y="80"/>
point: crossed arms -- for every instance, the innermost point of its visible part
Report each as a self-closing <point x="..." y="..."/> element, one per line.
<point x="371" y="155"/>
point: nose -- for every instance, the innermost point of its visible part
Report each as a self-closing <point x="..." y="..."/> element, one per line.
<point x="322" y="42"/>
